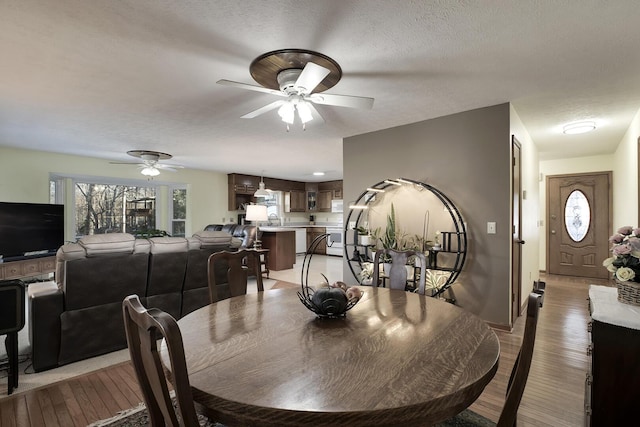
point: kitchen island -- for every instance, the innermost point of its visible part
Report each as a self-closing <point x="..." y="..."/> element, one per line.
<point x="281" y="242"/>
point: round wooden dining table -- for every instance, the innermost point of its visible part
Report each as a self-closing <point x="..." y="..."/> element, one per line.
<point x="397" y="358"/>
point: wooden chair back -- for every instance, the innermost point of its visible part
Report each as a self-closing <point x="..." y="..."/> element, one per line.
<point x="236" y="271"/>
<point x="520" y="371"/>
<point x="142" y="326"/>
<point x="397" y="275"/>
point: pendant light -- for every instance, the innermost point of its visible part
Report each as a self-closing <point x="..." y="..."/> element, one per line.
<point x="262" y="191"/>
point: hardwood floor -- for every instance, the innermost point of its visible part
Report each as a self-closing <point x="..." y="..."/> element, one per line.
<point x="554" y="395"/>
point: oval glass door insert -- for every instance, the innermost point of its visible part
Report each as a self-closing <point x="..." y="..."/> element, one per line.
<point x="577" y="215"/>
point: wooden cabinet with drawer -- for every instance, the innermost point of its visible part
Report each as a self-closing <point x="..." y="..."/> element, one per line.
<point x="613" y="382"/>
<point x="27" y="268"/>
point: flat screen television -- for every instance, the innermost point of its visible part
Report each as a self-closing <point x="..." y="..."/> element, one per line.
<point x="30" y="229"/>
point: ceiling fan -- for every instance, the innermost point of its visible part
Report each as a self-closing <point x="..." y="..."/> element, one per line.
<point x="300" y="76"/>
<point x="150" y="166"/>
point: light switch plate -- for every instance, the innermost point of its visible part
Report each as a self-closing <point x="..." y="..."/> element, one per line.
<point x="491" y="228"/>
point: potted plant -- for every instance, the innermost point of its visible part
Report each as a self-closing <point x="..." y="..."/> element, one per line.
<point x="389" y="240"/>
<point x="364" y="236"/>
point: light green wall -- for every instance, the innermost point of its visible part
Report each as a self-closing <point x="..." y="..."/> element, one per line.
<point x="24" y="177"/>
<point x="467" y="157"/>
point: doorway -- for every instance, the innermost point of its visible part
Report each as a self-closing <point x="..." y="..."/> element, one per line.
<point x="578" y="224"/>
<point x="516" y="220"/>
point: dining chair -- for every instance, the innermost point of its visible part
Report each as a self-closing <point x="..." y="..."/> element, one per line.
<point x="517" y="379"/>
<point x="397" y="274"/>
<point x="228" y="273"/>
<point x="143" y="326"/>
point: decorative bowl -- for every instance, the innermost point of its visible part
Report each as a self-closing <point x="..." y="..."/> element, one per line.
<point x="327" y="301"/>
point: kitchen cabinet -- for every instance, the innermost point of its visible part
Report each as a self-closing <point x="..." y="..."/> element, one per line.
<point x="312" y="233"/>
<point x="241" y="189"/>
<point x="312" y="196"/>
<point x="303" y="196"/>
<point x="613" y="379"/>
<point x="334" y="189"/>
<point x="324" y="200"/>
<point x="298" y="201"/>
<point x="281" y="245"/>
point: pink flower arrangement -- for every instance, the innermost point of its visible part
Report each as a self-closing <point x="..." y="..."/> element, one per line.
<point x="625" y="248"/>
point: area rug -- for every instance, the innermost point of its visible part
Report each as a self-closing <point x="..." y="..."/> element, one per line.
<point x="139" y="417"/>
<point x="281" y="284"/>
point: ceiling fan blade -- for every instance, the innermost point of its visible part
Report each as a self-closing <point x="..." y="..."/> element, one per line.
<point x="250" y="87"/>
<point x="126" y="163"/>
<point x="262" y="110"/>
<point x="165" y="166"/>
<point x="315" y="113"/>
<point x="311" y="76"/>
<point x="341" y="100"/>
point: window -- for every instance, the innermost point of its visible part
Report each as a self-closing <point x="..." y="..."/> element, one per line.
<point x="577" y="215"/>
<point x="179" y="212"/>
<point x="111" y="205"/>
<point x="112" y="208"/>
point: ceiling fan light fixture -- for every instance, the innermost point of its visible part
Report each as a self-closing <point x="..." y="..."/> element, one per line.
<point x="287" y="113"/>
<point x="150" y="171"/>
<point x="304" y="112"/>
<point x="579" y="127"/>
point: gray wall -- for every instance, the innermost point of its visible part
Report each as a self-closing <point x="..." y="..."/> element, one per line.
<point x="467" y="157"/>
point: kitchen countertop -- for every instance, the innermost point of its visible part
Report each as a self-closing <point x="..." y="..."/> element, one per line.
<point x="275" y="228"/>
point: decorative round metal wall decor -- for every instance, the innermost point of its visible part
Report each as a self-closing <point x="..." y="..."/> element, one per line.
<point x="445" y="255"/>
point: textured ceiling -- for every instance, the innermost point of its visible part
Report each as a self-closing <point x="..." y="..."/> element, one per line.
<point x="98" y="78"/>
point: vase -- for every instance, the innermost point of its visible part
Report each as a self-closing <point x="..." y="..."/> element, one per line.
<point x="628" y="292"/>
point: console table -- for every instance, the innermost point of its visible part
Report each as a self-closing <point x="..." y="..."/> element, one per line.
<point x="27" y="268"/>
<point x="613" y="380"/>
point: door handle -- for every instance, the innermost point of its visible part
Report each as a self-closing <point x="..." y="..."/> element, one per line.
<point x="520" y="242"/>
<point x="553" y="231"/>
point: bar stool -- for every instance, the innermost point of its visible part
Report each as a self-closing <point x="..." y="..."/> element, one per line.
<point x="12" y="302"/>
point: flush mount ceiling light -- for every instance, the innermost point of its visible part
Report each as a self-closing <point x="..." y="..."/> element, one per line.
<point x="318" y="173"/>
<point x="578" y="127"/>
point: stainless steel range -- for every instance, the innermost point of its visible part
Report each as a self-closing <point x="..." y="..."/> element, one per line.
<point x="335" y="241"/>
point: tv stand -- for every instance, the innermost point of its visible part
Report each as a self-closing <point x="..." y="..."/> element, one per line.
<point x="29" y="267"/>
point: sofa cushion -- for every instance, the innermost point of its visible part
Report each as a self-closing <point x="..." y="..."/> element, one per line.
<point x="163" y="245"/>
<point x="213" y="238"/>
<point x="98" y="244"/>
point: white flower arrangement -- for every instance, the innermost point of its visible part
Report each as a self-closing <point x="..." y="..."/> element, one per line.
<point x="625" y="262"/>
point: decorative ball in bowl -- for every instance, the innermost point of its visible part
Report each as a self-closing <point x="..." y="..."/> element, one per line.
<point x="330" y="301"/>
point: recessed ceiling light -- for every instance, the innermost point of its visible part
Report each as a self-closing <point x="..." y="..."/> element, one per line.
<point x="578" y="127"/>
<point x="318" y="173"/>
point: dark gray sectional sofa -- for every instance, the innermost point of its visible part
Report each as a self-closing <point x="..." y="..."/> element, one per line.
<point x="80" y="314"/>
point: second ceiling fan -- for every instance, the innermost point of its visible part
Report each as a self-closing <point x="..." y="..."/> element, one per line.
<point x="300" y="76"/>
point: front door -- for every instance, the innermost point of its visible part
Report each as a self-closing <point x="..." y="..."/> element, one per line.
<point x="578" y="224"/>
